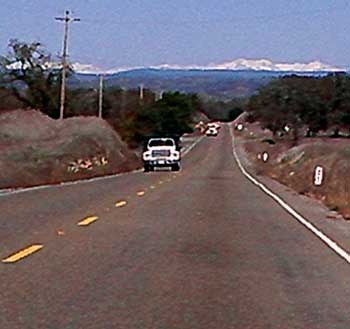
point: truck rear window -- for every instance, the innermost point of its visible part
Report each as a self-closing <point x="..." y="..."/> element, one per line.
<point x="161" y="142"/>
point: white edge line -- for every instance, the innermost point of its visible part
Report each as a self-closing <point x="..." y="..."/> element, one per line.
<point x="328" y="241"/>
<point x="82" y="181"/>
<point x="88" y="180"/>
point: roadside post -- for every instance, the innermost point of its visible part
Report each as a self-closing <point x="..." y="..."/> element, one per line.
<point x="240" y="127"/>
<point x="265" y="156"/>
<point x="318" y="175"/>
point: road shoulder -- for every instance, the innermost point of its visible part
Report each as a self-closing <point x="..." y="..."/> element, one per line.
<point x="329" y="222"/>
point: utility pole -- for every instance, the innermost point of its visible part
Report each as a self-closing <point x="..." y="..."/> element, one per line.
<point x="66" y="19"/>
<point x="123" y="98"/>
<point x="141" y="92"/>
<point x="100" y="98"/>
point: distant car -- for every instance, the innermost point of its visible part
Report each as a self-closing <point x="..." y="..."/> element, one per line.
<point x="215" y="125"/>
<point x="211" y="132"/>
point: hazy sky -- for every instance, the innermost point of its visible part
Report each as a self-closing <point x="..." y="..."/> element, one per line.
<point x="120" y="33"/>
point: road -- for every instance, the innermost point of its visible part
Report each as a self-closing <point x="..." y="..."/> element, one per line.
<point x="201" y="248"/>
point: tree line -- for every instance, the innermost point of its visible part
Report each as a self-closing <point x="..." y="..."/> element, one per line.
<point x="29" y="79"/>
<point x="303" y="104"/>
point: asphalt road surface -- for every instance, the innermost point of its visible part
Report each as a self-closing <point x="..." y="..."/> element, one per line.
<point x="201" y="248"/>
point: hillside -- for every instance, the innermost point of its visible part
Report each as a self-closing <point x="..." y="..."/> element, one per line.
<point x="36" y="149"/>
<point x="294" y="165"/>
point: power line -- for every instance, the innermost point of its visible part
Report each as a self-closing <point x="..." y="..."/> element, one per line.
<point x="66" y="19"/>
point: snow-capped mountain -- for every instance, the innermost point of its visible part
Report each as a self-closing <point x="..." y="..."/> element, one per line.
<point x="239" y="78"/>
<point x="267" y="65"/>
<point x="85" y="68"/>
<point x="238" y="64"/>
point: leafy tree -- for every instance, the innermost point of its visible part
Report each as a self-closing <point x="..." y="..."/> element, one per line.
<point x="8" y="101"/>
<point x="82" y="102"/>
<point x="223" y="111"/>
<point x="340" y="104"/>
<point x="234" y="113"/>
<point x="269" y="107"/>
<point x="28" y="73"/>
<point x="171" y="115"/>
<point x="299" y="102"/>
<point x="121" y="108"/>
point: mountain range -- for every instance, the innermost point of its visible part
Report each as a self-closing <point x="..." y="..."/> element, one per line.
<point x="238" y="64"/>
<point x="239" y="78"/>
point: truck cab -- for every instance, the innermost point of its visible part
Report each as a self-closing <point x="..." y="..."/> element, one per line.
<point x="161" y="152"/>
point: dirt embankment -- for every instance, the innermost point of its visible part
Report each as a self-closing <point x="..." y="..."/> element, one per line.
<point x="35" y="149"/>
<point x="294" y="165"/>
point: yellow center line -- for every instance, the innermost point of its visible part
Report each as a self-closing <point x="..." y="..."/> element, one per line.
<point x="160" y="182"/>
<point x="121" y="203"/>
<point x="141" y="193"/>
<point x="87" y="221"/>
<point x="152" y="187"/>
<point x="23" y="253"/>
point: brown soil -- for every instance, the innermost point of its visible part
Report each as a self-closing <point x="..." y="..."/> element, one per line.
<point x="36" y="149"/>
<point x="294" y="165"/>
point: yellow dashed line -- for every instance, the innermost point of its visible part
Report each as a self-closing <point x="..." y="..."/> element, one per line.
<point x="160" y="182"/>
<point x="152" y="187"/>
<point x="140" y="193"/>
<point x="121" y="204"/>
<point x="87" y="221"/>
<point x="23" y="253"/>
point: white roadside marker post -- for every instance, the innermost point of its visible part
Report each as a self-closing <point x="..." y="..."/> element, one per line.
<point x="318" y="175"/>
<point x="240" y="127"/>
<point x="265" y="156"/>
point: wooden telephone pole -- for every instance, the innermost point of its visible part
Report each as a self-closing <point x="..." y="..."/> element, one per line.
<point x="66" y="19"/>
<point x="141" y="94"/>
<point x="100" y="97"/>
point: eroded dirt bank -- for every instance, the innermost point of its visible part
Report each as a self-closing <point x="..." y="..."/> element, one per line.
<point x="36" y="149"/>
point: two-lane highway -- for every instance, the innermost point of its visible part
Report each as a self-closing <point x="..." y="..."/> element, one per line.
<point x="201" y="248"/>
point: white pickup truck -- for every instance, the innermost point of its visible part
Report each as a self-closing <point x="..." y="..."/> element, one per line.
<point x="161" y="152"/>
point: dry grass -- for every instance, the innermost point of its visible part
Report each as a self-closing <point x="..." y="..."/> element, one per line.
<point x="294" y="165"/>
